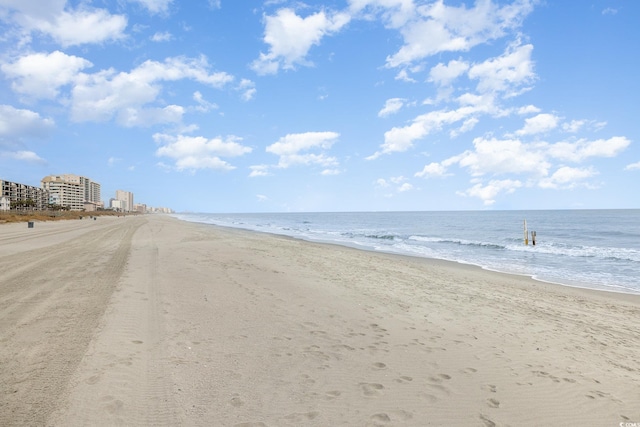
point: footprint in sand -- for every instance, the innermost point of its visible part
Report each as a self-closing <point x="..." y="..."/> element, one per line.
<point x="371" y="389"/>
<point x="379" y="419"/>
<point x="493" y="403"/>
<point x="487" y="422"/>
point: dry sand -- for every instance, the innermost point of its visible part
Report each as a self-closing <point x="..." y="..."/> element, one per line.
<point x="153" y="321"/>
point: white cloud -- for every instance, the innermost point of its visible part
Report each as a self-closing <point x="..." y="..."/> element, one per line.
<point x="70" y="28"/>
<point x="509" y="156"/>
<point x="528" y="109"/>
<point x="259" y="170"/>
<point x="262" y="197"/>
<point x="392" y="106"/>
<point x="24" y="156"/>
<point x="394" y="12"/>
<point x="17" y="123"/>
<point x="248" y="89"/>
<point x="330" y="172"/>
<point x="290" y="37"/>
<point x="566" y="177"/>
<point x="204" y="106"/>
<point x="105" y="94"/>
<point x="443" y="74"/>
<point x="197" y="152"/>
<point x="154" y="6"/>
<point x="510" y="73"/>
<point x="400" y="139"/>
<point x="41" y="75"/>
<point x="467" y="126"/>
<point x="583" y="149"/>
<point x="35" y="8"/>
<point x="432" y="170"/>
<point x="493" y="157"/>
<point x="381" y="183"/>
<point x="405" y="187"/>
<point x="162" y="37"/>
<point x="633" y="166"/>
<point x="539" y="124"/>
<point x="573" y="126"/>
<point x="147" y="117"/>
<point x="488" y="193"/>
<point x="289" y="149"/>
<point x="609" y="11"/>
<point x="433" y="28"/>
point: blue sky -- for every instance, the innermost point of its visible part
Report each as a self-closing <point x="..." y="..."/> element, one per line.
<point x="352" y="105"/>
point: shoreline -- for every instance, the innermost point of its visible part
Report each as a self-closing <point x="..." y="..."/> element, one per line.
<point x="618" y="295"/>
<point x="461" y="263"/>
<point x="151" y="320"/>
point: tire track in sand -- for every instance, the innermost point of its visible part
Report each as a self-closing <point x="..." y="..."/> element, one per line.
<point x="49" y="312"/>
<point x="125" y="378"/>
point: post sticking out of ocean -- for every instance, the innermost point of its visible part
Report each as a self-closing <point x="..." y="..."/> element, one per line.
<point x="526" y="233"/>
<point x="533" y="238"/>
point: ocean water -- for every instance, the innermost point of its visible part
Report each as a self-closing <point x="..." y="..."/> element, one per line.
<point x="584" y="248"/>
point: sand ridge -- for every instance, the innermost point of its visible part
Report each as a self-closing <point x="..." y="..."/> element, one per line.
<point x="209" y="326"/>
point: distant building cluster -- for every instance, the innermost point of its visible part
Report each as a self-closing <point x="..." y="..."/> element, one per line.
<point x="66" y="192"/>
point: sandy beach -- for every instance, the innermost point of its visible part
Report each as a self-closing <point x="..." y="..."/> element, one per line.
<point x="150" y="321"/>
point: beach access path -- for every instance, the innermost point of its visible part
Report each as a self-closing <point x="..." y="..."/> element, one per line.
<point x="148" y="320"/>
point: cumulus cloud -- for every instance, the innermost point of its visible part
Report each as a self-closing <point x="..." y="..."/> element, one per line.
<point x="68" y="27"/>
<point x="433" y="28"/>
<point x="16" y="124"/>
<point x="290" y="37"/>
<point x="566" y="177"/>
<point x="583" y="149"/>
<point x="508" y="156"/>
<point x="197" y="152"/>
<point x="83" y="26"/>
<point x="41" y="75"/>
<point x="536" y="162"/>
<point x="392" y="106"/>
<point x="489" y="192"/>
<point x="129" y="97"/>
<point x="400" y="139"/>
<point x="539" y="124"/>
<point x="293" y="149"/>
<point x="105" y="94"/>
<point x="433" y="169"/>
<point x="443" y="74"/>
<point x="573" y="126"/>
<point x="510" y="74"/>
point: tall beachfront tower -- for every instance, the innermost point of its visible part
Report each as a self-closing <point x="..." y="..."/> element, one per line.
<point x="72" y="191"/>
<point x="126" y="199"/>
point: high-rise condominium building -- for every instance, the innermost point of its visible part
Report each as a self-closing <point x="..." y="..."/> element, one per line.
<point x="24" y="196"/>
<point x="71" y="191"/>
<point x="126" y="198"/>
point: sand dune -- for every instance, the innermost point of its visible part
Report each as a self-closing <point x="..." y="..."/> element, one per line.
<point x="152" y="321"/>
